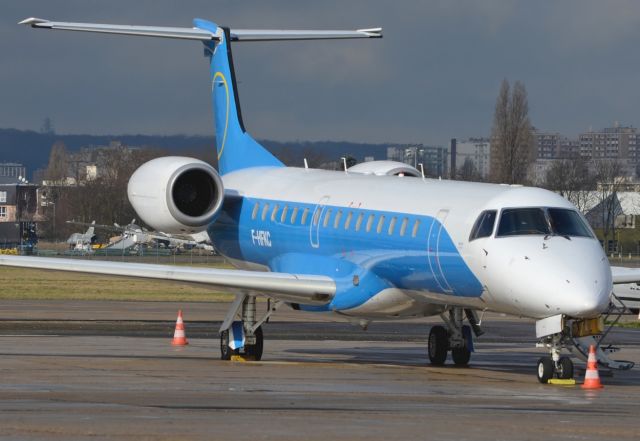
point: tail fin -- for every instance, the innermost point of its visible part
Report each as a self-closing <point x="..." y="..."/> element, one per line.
<point x="236" y="148"/>
<point x="91" y="229"/>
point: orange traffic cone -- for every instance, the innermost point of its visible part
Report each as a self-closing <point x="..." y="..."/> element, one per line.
<point x="179" y="337"/>
<point x="591" y="377"/>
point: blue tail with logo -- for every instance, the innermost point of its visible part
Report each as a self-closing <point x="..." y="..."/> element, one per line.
<point x="236" y="148"/>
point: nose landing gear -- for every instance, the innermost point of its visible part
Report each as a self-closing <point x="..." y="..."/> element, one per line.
<point x="554" y="365"/>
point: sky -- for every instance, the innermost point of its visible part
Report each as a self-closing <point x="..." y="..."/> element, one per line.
<point x="435" y="74"/>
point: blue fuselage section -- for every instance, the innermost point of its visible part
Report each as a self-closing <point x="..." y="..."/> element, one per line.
<point x="364" y="251"/>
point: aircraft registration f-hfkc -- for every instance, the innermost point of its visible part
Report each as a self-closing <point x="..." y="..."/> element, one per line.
<point x="368" y="243"/>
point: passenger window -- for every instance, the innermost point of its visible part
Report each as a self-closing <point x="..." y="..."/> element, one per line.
<point x="283" y="217"/>
<point x="416" y="225"/>
<point x="316" y="216"/>
<point x="264" y="211"/>
<point x="392" y="225"/>
<point x="256" y="208"/>
<point x="380" y="224"/>
<point x="274" y="213"/>
<point x="484" y="225"/>
<point x="348" y="221"/>
<point x="370" y="222"/>
<point x="325" y="222"/>
<point x="336" y="222"/>
<point x="403" y="226"/>
<point x="359" y="221"/>
<point x="294" y="214"/>
<point x="305" y="215"/>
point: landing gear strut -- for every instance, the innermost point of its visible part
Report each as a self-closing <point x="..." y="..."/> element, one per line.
<point x="244" y="338"/>
<point x="555" y="365"/>
<point x="455" y="337"/>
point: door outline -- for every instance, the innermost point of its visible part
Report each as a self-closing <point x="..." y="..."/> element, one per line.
<point x="434" y="260"/>
<point x="314" y="230"/>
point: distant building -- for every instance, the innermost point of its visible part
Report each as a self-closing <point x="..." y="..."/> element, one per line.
<point x="18" y="207"/>
<point x="369" y="159"/>
<point x="12" y="170"/>
<point x="615" y="142"/>
<point x="476" y="150"/>
<point x="89" y="162"/>
<point x="435" y="159"/>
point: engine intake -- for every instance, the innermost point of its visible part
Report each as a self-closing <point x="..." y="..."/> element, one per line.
<point x="176" y="194"/>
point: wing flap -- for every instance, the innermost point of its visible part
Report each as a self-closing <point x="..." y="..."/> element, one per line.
<point x="298" y="288"/>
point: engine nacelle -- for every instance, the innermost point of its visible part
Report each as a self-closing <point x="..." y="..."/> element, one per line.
<point x="383" y="168"/>
<point x="176" y="194"/>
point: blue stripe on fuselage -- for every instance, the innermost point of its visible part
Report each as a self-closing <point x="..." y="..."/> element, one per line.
<point x="410" y="257"/>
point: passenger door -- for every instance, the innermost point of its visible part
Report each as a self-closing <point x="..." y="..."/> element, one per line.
<point x="435" y="235"/>
<point x="314" y="225"/>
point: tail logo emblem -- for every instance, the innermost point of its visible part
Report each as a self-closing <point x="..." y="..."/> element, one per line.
<point x="222" y="80"/>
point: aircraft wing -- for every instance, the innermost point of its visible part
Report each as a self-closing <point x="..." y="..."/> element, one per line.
<point x="297" y="288"/>
<point x="622" y="274"/>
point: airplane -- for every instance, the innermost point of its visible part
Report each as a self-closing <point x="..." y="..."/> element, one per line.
<point x="83" y="241"/>
<point x="367" y="244"/>
<point x="140" y="235"/>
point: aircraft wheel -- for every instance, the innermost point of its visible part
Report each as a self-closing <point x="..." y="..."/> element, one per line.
<point x="545" y="369"/>
<point x="461" y="356"/>
<point x="565" y="368"/>
<point x="225" y="351"/>
<point x="255" y="351"/>
<point x="438" y="345"/>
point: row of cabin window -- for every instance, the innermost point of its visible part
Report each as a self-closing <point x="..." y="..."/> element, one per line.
<point x="336" y="220"/>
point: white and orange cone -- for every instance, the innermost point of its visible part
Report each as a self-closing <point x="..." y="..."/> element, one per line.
<point x="179" y="337"/>
<point x="591" y="377"/>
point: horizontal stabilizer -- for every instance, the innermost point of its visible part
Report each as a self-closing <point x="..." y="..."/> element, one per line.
<point x="297" y="288"/>
<point x="274" y="34"/>
<point x="145" y="31"/>
<point x="202" y="34"/>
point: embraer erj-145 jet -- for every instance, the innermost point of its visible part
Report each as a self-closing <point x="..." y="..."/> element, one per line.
<point x="367" y="243"/>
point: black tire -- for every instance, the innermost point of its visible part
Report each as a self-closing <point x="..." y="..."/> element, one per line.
<point x="461" y="356"/>
<point x="545" y="369"/>
<point x="225" y="351"/>
<point x="438" y="345"/>
<point x="565" y="368"/>
<point x="255" y="351"/>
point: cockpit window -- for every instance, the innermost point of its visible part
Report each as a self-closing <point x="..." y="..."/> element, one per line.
<point x="567" y="223"/>
<point x="542" y="221"/>
<point x="484" y="225"/>
<point x="523" y="221"/>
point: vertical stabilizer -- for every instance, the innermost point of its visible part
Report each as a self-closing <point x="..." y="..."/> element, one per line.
<point x="236" y="148"/>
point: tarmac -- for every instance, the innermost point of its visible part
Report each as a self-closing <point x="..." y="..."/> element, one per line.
<point x="111" y="372"/>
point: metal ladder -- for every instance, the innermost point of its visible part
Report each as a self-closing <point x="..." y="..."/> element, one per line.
<point x="616" y="310"/>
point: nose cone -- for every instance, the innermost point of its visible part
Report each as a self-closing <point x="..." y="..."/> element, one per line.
<point x="559" y="276"/>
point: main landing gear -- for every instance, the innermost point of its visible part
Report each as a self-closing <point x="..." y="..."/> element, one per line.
<point x="243" y="339"/>
<point x="455" y="337"/>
